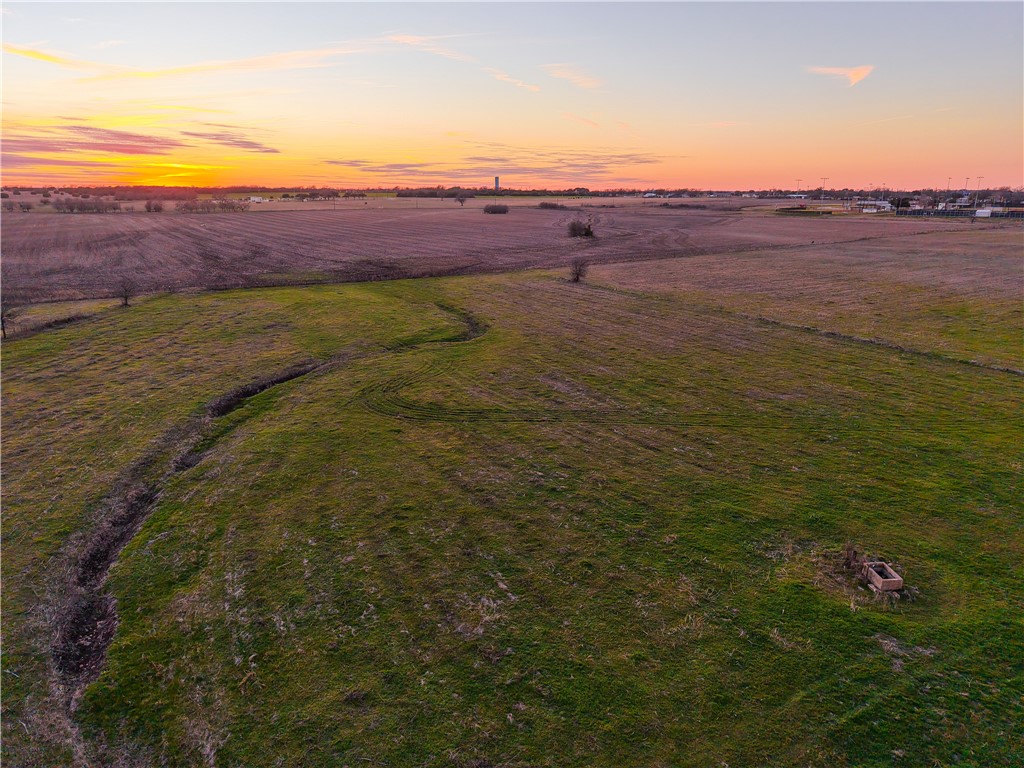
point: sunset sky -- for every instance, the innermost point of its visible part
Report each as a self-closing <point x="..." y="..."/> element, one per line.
<point x="601" y="95"/>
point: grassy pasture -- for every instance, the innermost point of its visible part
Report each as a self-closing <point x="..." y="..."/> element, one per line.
<point x="522" y="522"/>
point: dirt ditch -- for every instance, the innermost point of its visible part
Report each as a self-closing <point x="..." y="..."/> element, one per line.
<point x="87" y="619"/>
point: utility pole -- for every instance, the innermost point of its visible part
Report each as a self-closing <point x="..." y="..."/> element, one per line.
<point x="823" y="180"/>
<point x="977" y="195"/>
<point x="798" y="184"/>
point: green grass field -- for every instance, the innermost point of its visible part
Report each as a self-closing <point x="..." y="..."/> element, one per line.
<point x="512" y="521"/>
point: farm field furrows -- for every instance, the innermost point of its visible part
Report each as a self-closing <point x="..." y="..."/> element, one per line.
<point x="955" y="293"/>
<point x="58" y="257"/>
<point x="511" y="520"/>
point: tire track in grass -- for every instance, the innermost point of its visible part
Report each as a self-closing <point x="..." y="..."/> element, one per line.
<point x="385" y="397"/>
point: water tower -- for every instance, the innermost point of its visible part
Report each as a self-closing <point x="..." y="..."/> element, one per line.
<point x="497" y="185"/>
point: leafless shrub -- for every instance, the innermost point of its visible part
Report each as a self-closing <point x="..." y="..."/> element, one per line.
<point x="578" y="270"/>
<point x="125" y="289"/>
<point x="580" y="229"/>
<point x="8" y="311"/>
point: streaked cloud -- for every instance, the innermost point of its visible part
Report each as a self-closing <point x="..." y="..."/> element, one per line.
<point x="231" y="138"/>
<point x="305" y="59"/>
<point x="87" y="138"/>
<point x="504" y="77"/>
<point x="487" y="159"/>
<point x="18" y="160"/>
<point x="429" y="44"/>
<point x="853" y="75"/>
<point x="52" y="58"/>
<point x="573" y="74"/>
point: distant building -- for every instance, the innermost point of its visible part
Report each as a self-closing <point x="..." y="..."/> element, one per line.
<point x="872" y="206"/>
<point x="257" y="199"/>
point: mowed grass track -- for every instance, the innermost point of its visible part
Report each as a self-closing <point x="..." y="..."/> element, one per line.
<point x="521" y="522"/>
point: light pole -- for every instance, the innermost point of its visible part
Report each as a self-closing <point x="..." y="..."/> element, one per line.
<point x="977" y="195"/>
<point x="823" y="180"/>
<point x="798" y="184"/>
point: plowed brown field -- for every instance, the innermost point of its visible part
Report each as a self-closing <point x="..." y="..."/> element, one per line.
<point x="57" y="257"/>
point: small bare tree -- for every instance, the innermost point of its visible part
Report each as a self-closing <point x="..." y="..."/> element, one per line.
<point x="7" y="312"/>
<point x="126" y="289"/>
<point x="578" y="270"/>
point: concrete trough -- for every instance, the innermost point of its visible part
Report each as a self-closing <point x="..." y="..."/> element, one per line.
<point x="882" y="577"/>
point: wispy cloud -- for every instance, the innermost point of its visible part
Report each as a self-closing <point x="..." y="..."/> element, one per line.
<point x="13" y="160"/>
<point x="302" y="59"/>
<point x="577" y="119"/>
<point x="86" y="138"/>
<point x="852" y="74"/>
<point x="286" y="60"/>
<point x="484" y="160"/>
<point x="573" y="74"/>
<point x="429" y="44"/>
<point x="52" y="58"/>
<point x="231" y="138"/>
<point x="504" y="77"/>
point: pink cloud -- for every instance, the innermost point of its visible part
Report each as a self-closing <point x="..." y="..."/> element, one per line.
<point x="853" y="74"/>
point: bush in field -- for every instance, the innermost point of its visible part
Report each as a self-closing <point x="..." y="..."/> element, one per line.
<point x="577" y="270"/>
<point x="552" y="206"/>
<point x="580" y="229"/>
<point x="8" y="205"/>
<point x="154" y="206"/>
<point x="4" y="195"/>
<point x="125" y="289"/>
<point x="495" y="208"/>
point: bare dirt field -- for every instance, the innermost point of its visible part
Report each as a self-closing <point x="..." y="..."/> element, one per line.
<point x="50" y="257"/>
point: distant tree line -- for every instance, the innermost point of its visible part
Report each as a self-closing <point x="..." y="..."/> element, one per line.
<point x="435" y="192"/>
<point x="72" y="205"/>
<point x="212" y="206"/>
